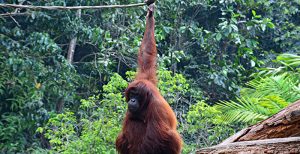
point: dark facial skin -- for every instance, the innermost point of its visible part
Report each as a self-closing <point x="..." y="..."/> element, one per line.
<point x="133" y="103"/>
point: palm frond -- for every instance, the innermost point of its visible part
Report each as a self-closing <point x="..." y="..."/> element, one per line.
<point x="274" y="103"/>
<point x="271" y="90"/>
<point x="284" y="85"/>
<point x="289" y="59"/>
<point x="245" y="110"/>
<point x="289" y="63"/>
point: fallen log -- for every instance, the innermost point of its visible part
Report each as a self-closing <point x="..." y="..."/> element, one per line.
<point x="277" y="134"/>
<point x="268" y="146"/>
<point x="285" y="123"/>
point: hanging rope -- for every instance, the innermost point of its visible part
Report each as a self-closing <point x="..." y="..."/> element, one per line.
<point x="68" y="7"/>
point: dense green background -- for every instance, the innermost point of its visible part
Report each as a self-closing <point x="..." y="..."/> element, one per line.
<point x="223" y="64"/>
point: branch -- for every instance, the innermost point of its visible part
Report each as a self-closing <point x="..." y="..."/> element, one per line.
<point x="15" y="21"/>
<point x="14" y="14"/>
<point x="68" y="7"/>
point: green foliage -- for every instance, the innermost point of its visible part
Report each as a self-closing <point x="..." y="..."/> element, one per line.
<point x="10" y="125"/>
<point x="288" y="63"/>
<point x="285" y="86"/>
<point x="228" y="49"/>
<point x="97" y="126"/>
<point x="35" y="78"/>
<point x="60" y="130"/>
<point x="289" y="60"/>
<point x="245" y="110"/>
<point x="205" y="127"/>
<point x="172" y="87"/>
<point x="266" y="95"/>
<point x="215" y="44"/>
<point x="100" y="117"/>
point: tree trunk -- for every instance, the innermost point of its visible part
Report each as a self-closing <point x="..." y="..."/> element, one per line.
<point x="72" y="45"/>
<point x="286" y="123"/>
<point x="269" y="146"/>
<point x="60" y="105"/>
<point x="276" y="134"/>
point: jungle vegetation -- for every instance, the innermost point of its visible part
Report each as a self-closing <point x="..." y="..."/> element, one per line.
<point x="223" y="65"/>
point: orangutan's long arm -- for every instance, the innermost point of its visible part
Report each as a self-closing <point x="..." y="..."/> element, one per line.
<point x="147" y="52"/>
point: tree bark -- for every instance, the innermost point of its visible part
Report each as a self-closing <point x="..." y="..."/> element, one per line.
<point x="285" y="123"/>
<point x="268" y="146"/>
<point x="276" y="134"/>
<point x="60" y="105"/>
